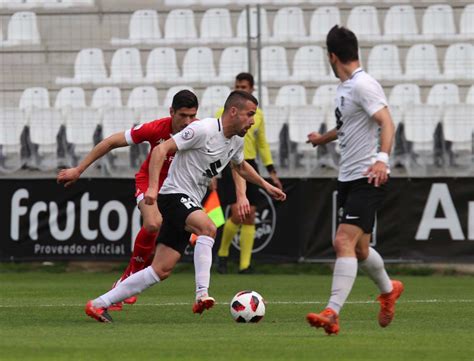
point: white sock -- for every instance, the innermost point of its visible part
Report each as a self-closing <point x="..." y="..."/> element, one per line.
<point x="202" y="264"/>
<point x="129" y="287"/>
<point x="345" y="272"/>
<point x="374" y="267"/>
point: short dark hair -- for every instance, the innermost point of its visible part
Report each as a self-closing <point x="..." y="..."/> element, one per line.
<point x="238" y="98"/>
<point x="245" y="76"/>
<point x="342" y="42"/>
<point x="184" y="99"/>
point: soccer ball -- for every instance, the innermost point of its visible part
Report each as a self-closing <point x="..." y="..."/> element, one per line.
<point x="247" y="306"/>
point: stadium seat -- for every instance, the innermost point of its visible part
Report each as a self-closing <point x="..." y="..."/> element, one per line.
<point x="161" y="66"/>
<point x="325" y="97"/>
<point x="143" y="97"/>
<point x="404" y="95"/>
<point x="443" y="94"/>
<point x="420" y="123"/>
<point x="234" y="60"/>
<point x="438" y="23"/>
<point x="396" y="112"/>
<point x="68" y="98"/>
<point x="216" y="26"/>
<point x="264" y="99"/>
<point x="180" y="26"/>
<point x="34" y="98"/>
<point x="470" y="95"/>
<point x="459" y="62"/>
<point x="274" y="64"/>
<point x="309" y="64"/>
<point x="242" y="24"/>
<point x="363" y="20"/>
<point x="106" y="97"/>
<point x="215" y="96"/>
<point x="44" y="128"/>
<point x="421" y="63"/>
<point x="146" y="115"/>
<point x="81" y="123"/>
<point x="198" y="65"/>
<point x="144" y="28"/>
<point x="89" y="67"/>
<point x="12" y="123"/>
<point x="458" y="128"/>
<point x="288" y="25"/>
<point x="322" y="20"/>
<point x="275" y="118"/>
<point x="291" y="95"/>
<point x="126" y="67"/>
<point x="117" y="119"/>
<point x="466" y="23"/>
<point x="172" y="91"/>
<point x="22" y="30"/>
<point x="384" y="62"/>
<point x="400" y="24"/>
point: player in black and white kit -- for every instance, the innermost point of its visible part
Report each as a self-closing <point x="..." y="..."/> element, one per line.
<point x="202" y="149"/>
<point x="362" y="117"/>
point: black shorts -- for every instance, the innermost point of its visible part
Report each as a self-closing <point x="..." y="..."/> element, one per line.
<point x="175" y="208"/>
<point x="358" y="202"/>
<point x="226" y="187"/>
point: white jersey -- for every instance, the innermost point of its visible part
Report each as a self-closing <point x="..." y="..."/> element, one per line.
<point x="203" y="152"/>
<point x="358" y="98"/>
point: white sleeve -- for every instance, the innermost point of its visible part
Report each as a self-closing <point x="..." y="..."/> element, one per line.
<point x="238" y="156"/>
<point x="192" y="137"/>
<point x="370" y="95"/>
<point x="128" y="137"/>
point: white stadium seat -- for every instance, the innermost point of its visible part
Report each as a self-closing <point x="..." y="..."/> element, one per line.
<point x="215" y="96"/>
<point x="143" y="97"/>
<point x="146" y="115"/>
<point x="400" y="23"/>
<point x="309" y="64"/>
<point x="73" y="97"/>
<point x="106" y="97"/>
<point x="322" y="20"/>
<point x="12" y="122"/>
<point x="363" y="21"/>
<point x="421" y="63"/>
<point x="22" y="30"/>
<point x="274" y="64"/>
<point x="242" y="24"/>
<point x="198" y="65"/>
<point x="459" y="62"/>
<point x="443" y="94"/>
<point x="161" y="66"/>
<point x="291" y="95"/>
<point x="275" y="118"/>
<point x="180" y="26"/>
<point x="420" y="123"/>
<point x="384" y="62"/>
<point x="438" y="22"/>
<point x="466" y="23"/>
<point x="126" y="66"/>
<point x="325" y="97"/>
<point x="89" y="67"/>
<point x="470" y="95"/>
<point x="44" y="127"/>
<point x="288" y="25"/>
<point x="216" y="26"/>
<point x="81" y="124"/>
<point x="404" y="95"/>
<point x="172" y="91"/>
<point x="234" y="60"/>
<point x="144" y="28"/>
<point x="37" y="97"/>
<point x="117" y="120"/>
<point x="458" y="127"/>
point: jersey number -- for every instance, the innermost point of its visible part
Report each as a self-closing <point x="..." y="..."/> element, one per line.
<point x="212" y="171"/>
<point x="338" y="115"/>
<point x="188" y="203"/>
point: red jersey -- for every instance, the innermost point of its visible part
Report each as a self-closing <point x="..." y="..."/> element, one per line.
<point x="155" y="133"/>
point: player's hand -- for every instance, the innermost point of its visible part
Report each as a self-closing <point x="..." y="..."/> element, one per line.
<point x="150" y="196"/>
<point x="243" y="207"/>
<point x="213" y="184"/>
<point x="275" y="192"/>
<point x="68" y="176"/>
<point x="276" y="180"/>
<point x="377" y="174"/>
<point x="314" y="138"/>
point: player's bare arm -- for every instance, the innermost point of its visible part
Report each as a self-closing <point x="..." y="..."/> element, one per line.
<point x="316" y="138"/>
<point x="243" y="204"/>
<point x="71" y="175"/>
<point x="247" y="172"/>
<point x="158" y="156"/>
<point x="377" y="173"/>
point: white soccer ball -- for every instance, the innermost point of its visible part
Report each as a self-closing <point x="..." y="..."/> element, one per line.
<point x="247" y="306"/>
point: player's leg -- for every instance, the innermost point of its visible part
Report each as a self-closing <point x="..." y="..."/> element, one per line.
<point x="247" y="238"/>
<point x="231" y="227"/>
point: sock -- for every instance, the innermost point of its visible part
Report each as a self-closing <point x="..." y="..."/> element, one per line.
<point x="142" y="249"/>
<point x="247" y="237"/>
<point x="374" y="267"/>
<point x="345" y="272"/>
<point x="202" y="264"/>
<point x="133" y="285"/>
<point x="230" y="230"/>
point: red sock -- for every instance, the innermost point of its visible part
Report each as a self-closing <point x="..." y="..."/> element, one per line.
<point x="143" y="248"/>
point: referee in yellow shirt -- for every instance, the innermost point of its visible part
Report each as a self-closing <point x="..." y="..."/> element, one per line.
<point x="255" y="142"/>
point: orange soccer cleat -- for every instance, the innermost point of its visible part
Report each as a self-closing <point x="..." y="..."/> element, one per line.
<point x="387" y="303"/>
<point x="328" y="319"/>
<point x="204" y="303"/>
<point x="115" y="306"/>
<point x="99" y="314"/>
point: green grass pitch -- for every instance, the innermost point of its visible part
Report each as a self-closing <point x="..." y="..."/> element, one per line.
<point x="42" y="318"/>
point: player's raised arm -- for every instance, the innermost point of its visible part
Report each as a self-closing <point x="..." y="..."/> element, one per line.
<point x="158" y="156"/>
<point x="247" y="172"/>
<point x="71" y="175"/>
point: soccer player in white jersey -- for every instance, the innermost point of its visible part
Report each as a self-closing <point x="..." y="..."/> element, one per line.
<point x="362" y="117"/>
<point x="202" y="149"/>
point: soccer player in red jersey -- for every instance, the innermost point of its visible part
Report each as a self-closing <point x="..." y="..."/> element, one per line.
<point x="182" y="112"/>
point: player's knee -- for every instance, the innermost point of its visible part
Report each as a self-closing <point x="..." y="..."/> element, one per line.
<point x="163" y="272"/>
<point x="152" y="227"/>
<point x="209" y="230"/>
<point x="341" y="243"/>
<point x="362" y="253"/>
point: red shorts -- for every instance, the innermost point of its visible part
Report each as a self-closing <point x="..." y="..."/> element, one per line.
<point x="141" y="185"/>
